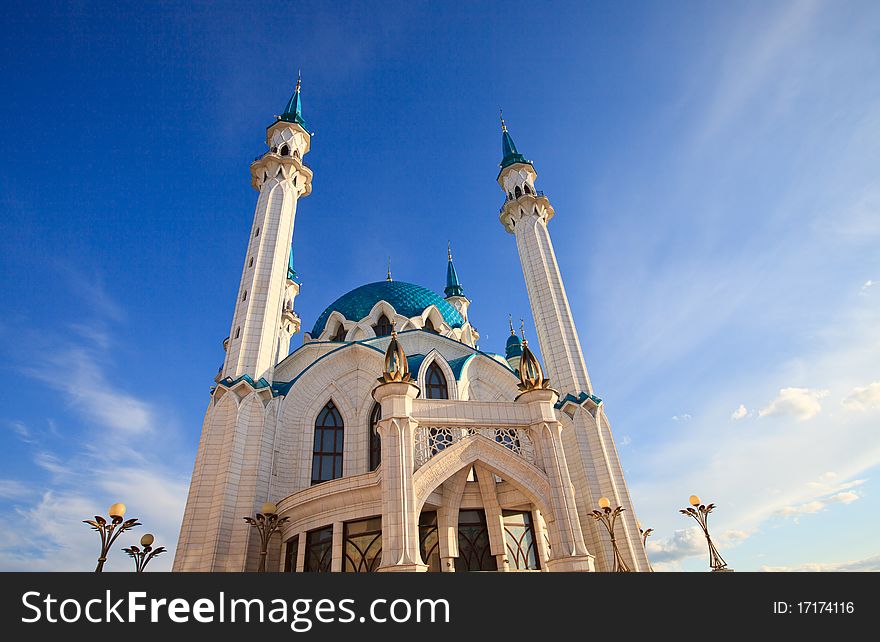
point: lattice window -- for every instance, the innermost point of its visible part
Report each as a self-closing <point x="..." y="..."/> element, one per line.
<point x="519" y="539"/>
<point x="429" y="540"/>
<point x="362" y="545"/>
<point x="473" y="543"/>
<point x="319" y="550"/>
<point x="290" y="554"/>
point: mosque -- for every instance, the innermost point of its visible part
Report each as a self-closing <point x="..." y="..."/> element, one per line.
<point x="389" y="441"/>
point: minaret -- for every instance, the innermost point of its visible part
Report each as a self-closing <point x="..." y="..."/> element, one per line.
<point x="525" y="214"/>
<point x="453" y="290"/>
<point x="513" y="348"/>
<point x="264" y="320"/>
<point x="589" y="445"/>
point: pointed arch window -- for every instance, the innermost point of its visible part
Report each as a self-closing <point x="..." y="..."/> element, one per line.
<point x="517" y="191"/>
<point x="285" y="150"/>
<point x="429" y="326"/>
<point x="526" y="189"/>
<point x="340" y="333"/>
<point x="375" y="440"/>
<point x="435" y="383"/>
<point x="327" y="453"/>
<point x="383" y="327"/>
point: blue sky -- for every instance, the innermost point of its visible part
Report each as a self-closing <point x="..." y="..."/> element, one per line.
<point x="714" y="170"/>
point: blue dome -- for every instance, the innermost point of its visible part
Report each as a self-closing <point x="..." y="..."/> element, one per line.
<point x="513" y="347"/>
<point x="406" y="298"/>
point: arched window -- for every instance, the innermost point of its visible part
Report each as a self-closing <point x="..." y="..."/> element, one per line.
<point x="285" y="150"/>
<point x="435" y="383"/>
<point x="375" y="441"/>
<point x="340" y="333"/>
<point x="526" y="189"/>
<point x="383" y="327"/>
<point x="327" y="454"/>
<point x="517" y="191"/>
<point x="429" y="326"/>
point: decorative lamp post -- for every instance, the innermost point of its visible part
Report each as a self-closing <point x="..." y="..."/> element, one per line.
<point x="700" y="512"/>
<point x="645" y="534"/>
<point x="109" y="531"/>
<point x="266" y="522"/>
<point x="142" y="557"/>
<point x="608" y="517"/>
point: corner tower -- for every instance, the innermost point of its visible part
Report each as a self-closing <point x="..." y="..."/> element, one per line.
<point x="589" y="446"/>
<point x="264" y="320"/>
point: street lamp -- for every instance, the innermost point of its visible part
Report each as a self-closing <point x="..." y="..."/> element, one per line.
<point x="142" y="557"/>
<point x="266" y="522"/>
<point x="608" y="517"/>
<point x="108" y="530"/>
<point x="700" y="512"/>
<point x="645" y="534"/>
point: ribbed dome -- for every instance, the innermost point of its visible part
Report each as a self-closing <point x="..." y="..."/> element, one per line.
<point x="407" y="299"/>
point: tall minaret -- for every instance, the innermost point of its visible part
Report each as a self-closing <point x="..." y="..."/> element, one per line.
<point x="264" y="321"/>
<point x="525" y="214"/>
<point x="453" y="290"/>
<point x="589" y="445"/>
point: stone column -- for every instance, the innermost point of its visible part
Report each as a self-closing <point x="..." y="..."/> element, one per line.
<point x="400" y="519"/>
<point x="568" y="551"/>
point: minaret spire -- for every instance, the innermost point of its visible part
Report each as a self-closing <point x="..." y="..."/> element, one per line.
<point x="388" y="277"/>
<point x="509" y="154"/>
<point x="293" y="111"/>
<point x="453" y="285"/>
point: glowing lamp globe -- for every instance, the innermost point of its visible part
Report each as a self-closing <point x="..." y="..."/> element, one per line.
<point x="117" y="510"/>
<point x="604" y="502"/>
<point x="147" y="540"/>
<point x="269" y="508"/>
<point x="694" y="500"/>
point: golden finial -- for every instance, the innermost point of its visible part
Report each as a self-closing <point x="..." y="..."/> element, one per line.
<point x="396" y="367"/>
<point x="388" y="277"/>
<point x="503" y="126"/>
<point x="449" y="249"/>
<point x="298" y="79"/>
<point x="510" y="320"/>
<point x="522" y="332"/>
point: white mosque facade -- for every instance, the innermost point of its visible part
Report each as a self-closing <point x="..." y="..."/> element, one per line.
<point x="411" y="452"/>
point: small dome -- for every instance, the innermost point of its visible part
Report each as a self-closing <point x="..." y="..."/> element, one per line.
<point x="514" y="347"/>
<point x="407" y="299"/>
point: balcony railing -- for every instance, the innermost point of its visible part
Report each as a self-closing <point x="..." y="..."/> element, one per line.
<point x="539" y="192"/>
<point x="301" y="160"/>
<point x="432" y="440"/>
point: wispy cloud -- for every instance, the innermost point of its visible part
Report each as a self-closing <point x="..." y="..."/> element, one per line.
<point x="846" y="497"/>
<point x="800" y="403"/>
<point x="685" y="417"/>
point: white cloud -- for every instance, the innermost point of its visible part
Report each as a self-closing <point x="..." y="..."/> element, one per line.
<point x="866" y="286"/>
<point x="867" y="564"/>
<point x="684" y="417"/>
<point x="800" y="403"/>
<point x="740" y="413"/>
<point x="665" y="553"/>
<point x="625" y="440"/>
<point x="864" y="398"/>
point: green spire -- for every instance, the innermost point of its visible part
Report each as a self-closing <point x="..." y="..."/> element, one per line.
<point x="508" y="148"/>
<point x="291" y="271"/>
<point x="293" y="111"/>
<point x="453" y="287"/>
